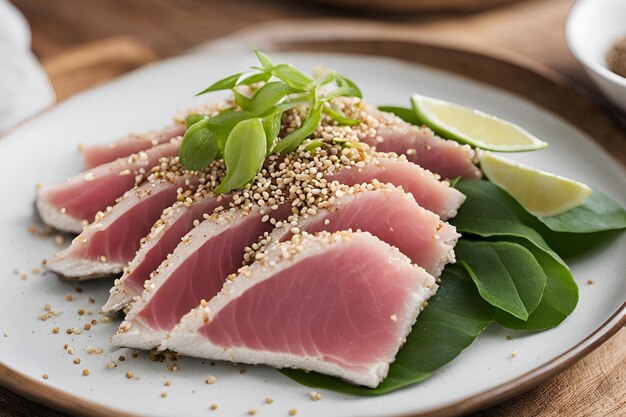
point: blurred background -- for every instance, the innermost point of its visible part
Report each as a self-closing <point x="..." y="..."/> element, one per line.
<point x="50" y="50"/>
<point x="109" y="37"/>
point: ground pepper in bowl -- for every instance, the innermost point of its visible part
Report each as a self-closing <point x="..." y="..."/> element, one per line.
<point x="616" y="58"/>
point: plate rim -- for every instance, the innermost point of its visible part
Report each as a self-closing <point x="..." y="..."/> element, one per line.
<point x="40" y="392"/>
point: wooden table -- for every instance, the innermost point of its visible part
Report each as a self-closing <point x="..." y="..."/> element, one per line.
<point x="529" y="29"/>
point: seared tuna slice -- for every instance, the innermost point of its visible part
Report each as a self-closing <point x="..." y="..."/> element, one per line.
<point x="165" y="235"/>
<point x="339" y="304"/>
<point x="69" y="205"/>
<point x="435" y="195"/>
<point x="420" y="145"/>
<point x="391" y="215"/>
<point x="388" y="133"/>
<point x="98" y="154"/>
<point x="107" y="245"/>
<point x="196" y="270"/>
<point x="430" y="193"/>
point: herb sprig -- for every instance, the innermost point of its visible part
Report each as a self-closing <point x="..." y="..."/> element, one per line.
<point x="246" y="135"/>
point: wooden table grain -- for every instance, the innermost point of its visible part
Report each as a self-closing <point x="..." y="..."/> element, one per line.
<point x="595" y="386"/>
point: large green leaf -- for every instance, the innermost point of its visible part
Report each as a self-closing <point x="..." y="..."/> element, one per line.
<point x="489" y="211"/>
<point x="559" y="299"/>
<point x="455" y="316"/>
<point x="506" y="274"/>
<point x="597" y="213"/>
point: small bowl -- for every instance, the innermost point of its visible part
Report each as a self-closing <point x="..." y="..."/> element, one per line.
<point x="591" y="29"/>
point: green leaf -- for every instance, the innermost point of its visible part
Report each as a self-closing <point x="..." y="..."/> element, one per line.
<point x="244" y="154"/>
<point x="313" y="145"/>
<point x="349" y="88"/>
<point x="199" y="146"/>
<point x="597" y="213"/>
<point x="269" y="95"/>
<point x="559" y="298"/>
<point x="341" y="118"/>
<point x="265" y="61"/>
<point x="408" y="115"/>
<point x="507" y="274"/>
<point x="248" y="79"/>
<point x="242" y="100"/>
<point x="489" y="211"/>
<point x="271" y="125"/>
<point x="291" y="142"/>
<point x="292" y="76"/>
<point x="223" y="123"/>
<point x="194" y="118"/>
<point x="224" y="84"/>
<point x="455" y="316"/>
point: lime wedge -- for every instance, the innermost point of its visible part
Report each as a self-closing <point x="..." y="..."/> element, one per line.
<point x="478" y="129"/>
<point x="541" y="193"/>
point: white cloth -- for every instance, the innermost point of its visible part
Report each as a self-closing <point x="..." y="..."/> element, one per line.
<point x="24" y="87"/>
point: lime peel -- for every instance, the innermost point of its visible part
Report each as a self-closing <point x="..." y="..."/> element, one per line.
<point x="541" y="193"/>
<point x="473" y="127"/>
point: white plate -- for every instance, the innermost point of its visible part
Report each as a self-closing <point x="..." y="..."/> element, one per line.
<point x="44" y="150"/>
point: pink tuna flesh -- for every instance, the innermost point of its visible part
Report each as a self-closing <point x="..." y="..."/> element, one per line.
<point x="340" y="305"/>
<point x="178" y="220"/>
<point x="98" y="154"/>
<point x="67" y="205"/>
<point x="196" y="270"/>
<point x="392" y="216"/>
<point x="421" y="146"/>
<point x="107" y="245"/>
<point x="428" y="191"/>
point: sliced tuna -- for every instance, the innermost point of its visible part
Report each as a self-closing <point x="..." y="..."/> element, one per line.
<point x="72" y="204"/>
<point x="166" y="234"/>
<point x="391" y="215"/>
<point x="388" y="133"/>
<point x="196" y="270"/>
<point x="430" y="193"/>
<point x="107" y="245"/>
<point x="98" y="154"/>
<point x="338" y="304"/>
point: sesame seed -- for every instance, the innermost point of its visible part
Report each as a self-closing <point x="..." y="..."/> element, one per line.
<point x="129" y="374"/>
<point x="211" y="380"/>
<point x="213" y="406"/>
<point x="293" y="412"/>
<point x="251" y="412"/>
<point x="167" y="383"/>
<point x="45" y="376"/>
<point x="269" y="400"/>
<point x="85" y="372"/>
<point x="77" y="361"/>
<point x="164" y="394"/>
<point x="315" y="396"/>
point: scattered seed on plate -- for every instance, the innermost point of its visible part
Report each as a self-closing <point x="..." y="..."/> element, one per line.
<point x="129" y="374"/>
<point x="45" y="376"/>
<point x="214" y="406"/>
<point x="251" y="412"/>
<point x="164" y="394"/>
<point x="55" y="330"/>
<point x="77" y="361"/>
<point x="111" y="364"/>
<point x="211" y="380"/>
<point x="316" y="396"/>
<point x="269" y="400"/>
<point x="86" y="371"/>
<point x="590" y="281"/>
<point x="167" y="383"/>
<point x="293" y="412"/>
